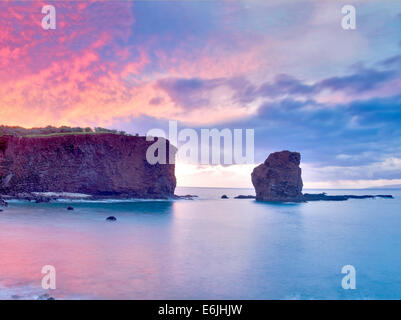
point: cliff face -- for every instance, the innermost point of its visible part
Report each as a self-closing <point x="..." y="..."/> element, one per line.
<point x="96" y="164"/>
<point x="279" y="178"/>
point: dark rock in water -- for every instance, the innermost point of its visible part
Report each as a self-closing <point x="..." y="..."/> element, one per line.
<point x="104" y="164"/>
<point x="111" y="218"/>
<point x="26" y="196"/>
<point x="389" y="196"/>
<point x="70" y="208"/>
<point x="279" y="178"/>
<point x="45" y="296"/>
<point x="325" y="197"/>
<point x="224" y="196"/>
<point x="244" y="197"/>
<point x="186" y="197"/>
<point x="42" y="200"/>
<point x="3" y="203"/>
<point x="1" y="210"/>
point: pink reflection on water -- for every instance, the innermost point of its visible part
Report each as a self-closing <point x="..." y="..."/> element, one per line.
<point x="93" y="258"/>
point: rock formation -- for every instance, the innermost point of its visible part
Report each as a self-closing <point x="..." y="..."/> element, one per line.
<point x="242" y="196"/>
<point x="279" y="177"/>
<point x="102" y="164"/>
<point x="3" y="203"/>
<point x="324" y="197"/>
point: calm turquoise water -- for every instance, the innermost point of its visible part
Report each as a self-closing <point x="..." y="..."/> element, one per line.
<point x="204" y="249"/>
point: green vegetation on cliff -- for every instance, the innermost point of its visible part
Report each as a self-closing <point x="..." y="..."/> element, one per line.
<point x="53" y="131"/>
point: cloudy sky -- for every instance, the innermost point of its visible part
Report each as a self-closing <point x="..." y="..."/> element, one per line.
<point x="284" y="68"/>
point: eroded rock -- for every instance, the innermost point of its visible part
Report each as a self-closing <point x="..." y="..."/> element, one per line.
<point x="279" y="178"/>
<point x="105" y="165"/>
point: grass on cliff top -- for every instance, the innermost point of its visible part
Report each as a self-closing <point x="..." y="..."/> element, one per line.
<point x="62" y="134"/>
<point x="72" y="133"/>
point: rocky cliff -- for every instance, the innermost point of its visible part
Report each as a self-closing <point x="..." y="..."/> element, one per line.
<point x="96" y="164"/>
<point x="279" y="177"/>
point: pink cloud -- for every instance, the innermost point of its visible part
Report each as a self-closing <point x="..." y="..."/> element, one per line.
<point x="88" y="71"/>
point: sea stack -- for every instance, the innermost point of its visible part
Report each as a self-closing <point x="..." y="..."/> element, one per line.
<point x="279" y="178"/>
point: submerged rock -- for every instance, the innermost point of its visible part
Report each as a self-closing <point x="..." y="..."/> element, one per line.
<point x="324" y="197"/>
<point x="224" y="196"/>
<point x="186" y="197"/>
<point x="42" y="200"/>
<point x="70" y="208"/>
<point x="279" y="178"/>
<point x="241" y="196"/>
<point x="45" y="296"/>
<point x="111" y="218"/>
<point x="3" y="203"/>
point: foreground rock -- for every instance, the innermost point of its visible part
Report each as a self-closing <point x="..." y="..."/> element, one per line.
<point x="279" y="178"/>
<point x="3" y="203"/>
<point x="104" y="165"/>
<point x="111" y="218"/>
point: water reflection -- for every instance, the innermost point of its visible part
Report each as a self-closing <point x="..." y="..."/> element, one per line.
<point x="212" y="249"/>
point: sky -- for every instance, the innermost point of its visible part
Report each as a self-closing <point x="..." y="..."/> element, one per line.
<point x="286" y="69"/>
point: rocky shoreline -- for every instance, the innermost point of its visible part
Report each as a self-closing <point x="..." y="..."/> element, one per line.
<point x="51" y="197"/>
<point x="324" y="197"/>
<point x="306" y="197"/>
<point x="114" y="167"/>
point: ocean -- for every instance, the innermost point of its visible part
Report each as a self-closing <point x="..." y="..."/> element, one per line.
<point x="207" y="248"/>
